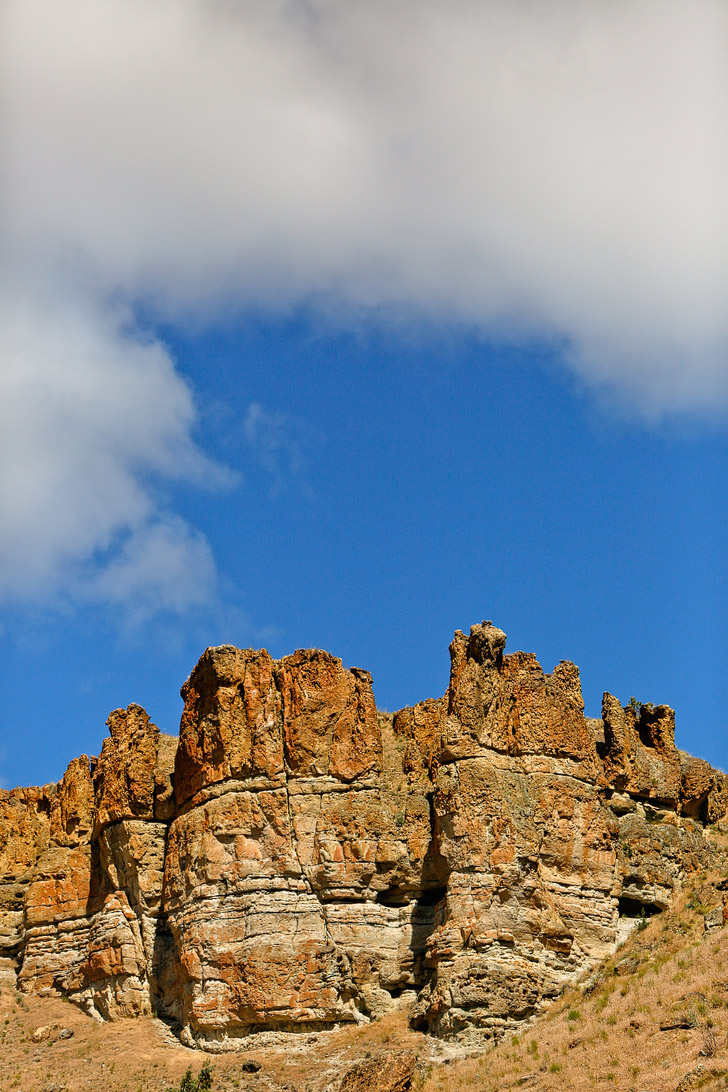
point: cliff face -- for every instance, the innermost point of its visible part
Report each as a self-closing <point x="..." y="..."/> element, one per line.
<point x="297" y="859"/>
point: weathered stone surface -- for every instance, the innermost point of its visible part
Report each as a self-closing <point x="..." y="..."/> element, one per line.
<point x="247" y="715"/>
<point x="641" y="757"/>
<point x="292" y="837"/>
<point x="653" y="854"/>
<point x="713" y="919"/>
<point x="132" y="855"/>
<point x="57" y="901"/>
<point x="24" y="836"/>
<point x="112" y="979"/>
<point x="420" y="728"/>
<point x="297" y="859"/>
<point x="164" y="803"/>
<point x="389" y="1071"/>
<point x="329" y="718"/>
<point x="125" y="778"/>
<point x="508" y="705"/>
<point x="24" y="829"/>
<point x="231" y="724"/>
<point x="58" y="909"/>
<point x="91" y="909"/>
<point x="72" y="805"/>
<point x="527" y="843"/>
<point x="44" y="1032"/>
<point x="531" y="844"/>
<point x="703" y="791"/>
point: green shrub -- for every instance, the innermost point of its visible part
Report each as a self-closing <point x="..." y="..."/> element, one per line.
<point x="201" y="1083"/>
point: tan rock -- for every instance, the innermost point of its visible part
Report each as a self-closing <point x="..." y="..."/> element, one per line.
<point x="507" y="704"/>
<point x="61" y="887"/>
<point x="330" y="723"/>
<point x="24" y="830"/>
<point x="653" y="855"/>
<point x="388" y="1071"/>
<point x="92" y="906"/>
<point x="164" y="803"/>
<point x="72" y="805"/>
<point x="24" y="837"/>
<point x="112" y="979"/>
<point x="703" y="790"/>
<point x="59" y="904"/>
<point x="267" y="752"/>
<point x="696" y="785"/>
<point x="421" y="728"/>
<point x="44" y="1032"/>
<point x="641" y="757"/>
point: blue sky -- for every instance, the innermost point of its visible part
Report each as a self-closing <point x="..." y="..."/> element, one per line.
<point x="346" y="326"/>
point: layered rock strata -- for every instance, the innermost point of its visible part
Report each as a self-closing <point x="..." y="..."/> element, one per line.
<point x="297" y="859"/>
<point x="93" y="897"/>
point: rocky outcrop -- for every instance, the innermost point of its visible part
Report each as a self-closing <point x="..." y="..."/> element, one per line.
<point x="703" y="790"/>
<point x="529" y="855"/>
<point x="24" y="837"/>
<point x="294" y="868"/>
<point x="91" y="906"/>
<point x="641" y="758"/>
<point x="297" y="859"/>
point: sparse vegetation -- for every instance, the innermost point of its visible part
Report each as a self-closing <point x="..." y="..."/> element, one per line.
<point x="201" y="1083"/>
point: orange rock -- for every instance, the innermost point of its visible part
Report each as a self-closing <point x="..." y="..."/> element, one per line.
<point x="389" y="1071"/>
<point x="72" y="805"/>
<point x="330" y="723"/>
<point x="231" y="723"/>
<point x="24" y="830"/>
<point x="124" y="778"/>
<point x="703" y="791"/>
<point x="507" y="703"/>
<point x="641" y="757"/>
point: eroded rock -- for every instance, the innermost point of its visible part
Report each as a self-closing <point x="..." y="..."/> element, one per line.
<point x="641" y="757"/>
<point x="296" y="859"/>
<point x="388" y="1071"/>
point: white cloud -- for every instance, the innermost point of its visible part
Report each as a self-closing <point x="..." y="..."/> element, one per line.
<point x="526" y="167"/>
<point x="93" y="419"/>
<point x="162" y="566"/>
<point x="532" y="166"/>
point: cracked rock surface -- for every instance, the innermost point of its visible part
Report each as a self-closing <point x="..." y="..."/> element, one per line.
<point x="298" y="860"/>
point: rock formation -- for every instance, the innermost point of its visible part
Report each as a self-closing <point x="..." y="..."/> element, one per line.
<point x="298" y="859"/>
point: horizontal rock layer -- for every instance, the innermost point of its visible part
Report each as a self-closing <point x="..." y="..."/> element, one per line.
<point x="298" y="859"/>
